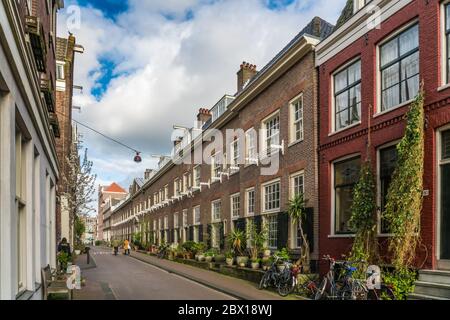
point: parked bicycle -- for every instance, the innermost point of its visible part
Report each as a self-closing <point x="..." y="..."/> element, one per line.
<point x="274" y="277"/>
<point x="343" y="286"/>
<point x="162" y="251"/>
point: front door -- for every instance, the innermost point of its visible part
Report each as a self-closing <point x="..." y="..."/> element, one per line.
<point x="444" y="167"/>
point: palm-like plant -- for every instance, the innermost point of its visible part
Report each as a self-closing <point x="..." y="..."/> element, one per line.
<point x="236" y="240"/>
<point x="297" y="212"/>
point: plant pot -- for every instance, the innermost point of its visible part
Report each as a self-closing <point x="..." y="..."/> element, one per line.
<point x="265" y="268"/>
<point x="230" y="261"/>
<point x="77" y="252"/>
<point x="281" y="267"/>
<point x="242" y="261"/>
<point x="201" y="258"/>
<point x="266" y="253"/>
<point x="208" y="258"/>
<point x="255" y="265"/>
<point x="220" y="258"/>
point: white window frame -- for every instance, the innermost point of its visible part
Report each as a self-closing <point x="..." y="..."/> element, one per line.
<point x="214" y="217"/>
<point x="263" y="196"/>
<point x="248" y="213"/>
<point x="197" y="176"/>
<point x="439" y="163"/>
<point x="175" y="220"/>
<point x="235" y="154"/>
<point x="292" y="178"/>
<point x="445" y="63"/>
<point x="267" y="152"/>
<point x="185" y="218"/>
<point x="233" y="210"/>
<point x="378" y="66"/>
<point x="215" y="166"/>
<point x="293" y="122"/>
<point x="267" y="224"/>
<point x="166" y="222"/>
<point x="196" y="216"/>
<point x="251" y="148"/>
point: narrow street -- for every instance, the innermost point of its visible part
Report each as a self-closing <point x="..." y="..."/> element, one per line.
<point x="131" y="279"/>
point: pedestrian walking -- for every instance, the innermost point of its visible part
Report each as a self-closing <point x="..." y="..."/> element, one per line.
<point x="126" y="247"/>
<point x="115" y="244"/>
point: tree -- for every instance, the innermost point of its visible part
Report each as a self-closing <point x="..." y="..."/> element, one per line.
<point x="404" y="198"/>
<point x="80" y="228"/>
<point x="80" y="185"/>
<point x="297" y="212"/>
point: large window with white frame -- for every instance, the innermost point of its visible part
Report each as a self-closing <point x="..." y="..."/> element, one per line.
<point x="250" y="202"/>
<point x="197" y="215"/>
<point x="216" y="210"/>
<point x="271" y="133"/>
<point x="399" y="68"/>
<point x="216" y="166"/>
<point x="444" y="195"/>
<point x="347" y="96"/>
<point x="346" y="175"/>
<point x="235" y="203"/>
<point x="271" y="196"/>
<point x="185" y="218"/>
<point x="272" y="227"/>
<point x="297" y="184"/>
<point x="387" y="163"/>
<point x="296" y="119"/>
<point x="197" y="176"/>
<point x="447" y="41"/>
<point x="250" y="147"/>
<point x="235" y="155"/>
<point x="175" y="220"/>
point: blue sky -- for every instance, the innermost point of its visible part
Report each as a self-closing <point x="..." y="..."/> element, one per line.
<point x="150" y="64"/>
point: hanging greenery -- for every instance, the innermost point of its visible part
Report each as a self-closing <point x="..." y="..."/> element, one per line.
<point x="404" y="198"/>
<point x="364" y="217"/>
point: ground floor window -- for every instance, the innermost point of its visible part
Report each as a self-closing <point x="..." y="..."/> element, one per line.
<point x="445" y="196"/>
<point x="388" y="162"/>
<point x="196" y="234"/>
<point x="215" y="235"/>
<point x="346" y="174"/>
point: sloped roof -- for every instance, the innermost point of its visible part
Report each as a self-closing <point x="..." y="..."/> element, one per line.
<point x="114" y="187"/>
<point x="139" y="182"/>
<point x="346" y="14"/>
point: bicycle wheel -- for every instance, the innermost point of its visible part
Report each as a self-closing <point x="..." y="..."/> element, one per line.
<point x="321" y="290"/>
<point x="385" y="293"/>
<point x="264" y="280"/>
<point x="286" y="287"/>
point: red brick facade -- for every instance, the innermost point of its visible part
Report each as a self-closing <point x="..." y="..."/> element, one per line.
<point x="385" y="127"/>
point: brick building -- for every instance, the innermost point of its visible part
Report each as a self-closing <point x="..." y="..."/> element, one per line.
<point x="371" y="72"/>
<point x="65" y="61"/>
<point x="276" y="110"/>
<point x="108" y="196"/>
<point x="28" y="127"/>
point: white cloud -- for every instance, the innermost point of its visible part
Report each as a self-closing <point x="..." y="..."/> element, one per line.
<point x="168" y="68"/>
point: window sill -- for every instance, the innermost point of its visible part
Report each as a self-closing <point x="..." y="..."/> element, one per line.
<point x="378" y="114"/>
<point x="338" y="236"/>
<point x="271" y="211"/>
<point x="293" y="143"/>
<point x="444" y="87"/>
<point x="235" y="218"/>
<point x="343" y="129"/>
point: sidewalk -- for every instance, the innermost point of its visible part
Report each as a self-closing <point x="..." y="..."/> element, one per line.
<point x="93" y="290"/>
<point x="237" y="288"/>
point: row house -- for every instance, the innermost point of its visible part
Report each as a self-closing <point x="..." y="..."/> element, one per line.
<point x="28" y="127"/>
<point x="370" y="70"/>
<point x="274" y="117"/>
<point x="108" y="196"/>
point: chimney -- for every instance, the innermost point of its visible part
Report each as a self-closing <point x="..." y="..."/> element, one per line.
<point x="246" y="72"/>
<point x="203" y="115"/>
<point x="147" y="173"/>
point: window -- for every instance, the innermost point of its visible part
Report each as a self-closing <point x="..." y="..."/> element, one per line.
<point x="297" y="185"/>
<point x="399" y="67"/>
<point x="186" y="182"/>
<point x="271" y="130"/>
<point x="175" y="220"/>
<point x="296" y="119"/>
<point x="347" y="96"/>
<point x="216" y="167"/>
<point x="272" y="224"/>
<point x="166" y="192"/>
<point x="447" y="40"/>
<point x="271" y="196"/>
<point x="216" y="210"/>
<point x="250" y="147"/>
<point x="346" y="174"/>
<point x="196" y="233"/>
<point x="235" y="155"/>
<point x="185" y="218"/>
<point x="215" y="235"/>
<point x="176" y="187"/>
<point x="197" y="215"/>
<point x="197" y="176"/>
<point x="388" y="162"/>
<point x="359" y="4"/>
<point x="59" y="71"/>
<point x="250" y="202"/>
<point x="235" y="206"/>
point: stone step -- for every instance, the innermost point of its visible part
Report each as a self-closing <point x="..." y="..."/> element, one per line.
<point x="432" y="289"/>
<point x="417" y="296"/>
<point x="436" y="276"/>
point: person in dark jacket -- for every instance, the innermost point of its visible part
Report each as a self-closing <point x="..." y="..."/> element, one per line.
<point x="64" y="246"/>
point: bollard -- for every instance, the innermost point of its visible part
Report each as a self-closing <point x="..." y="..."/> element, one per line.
<point x="88" y="256"/>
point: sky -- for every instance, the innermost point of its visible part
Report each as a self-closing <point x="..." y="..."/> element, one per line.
<point x="150" y="64"/>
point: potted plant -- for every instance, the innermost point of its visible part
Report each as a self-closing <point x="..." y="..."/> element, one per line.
<point x="229" y="258"/>
<point x="284" y="256"/>
<point x="266" y="252"/>
<point x="236" y="240"/>
<point x="219" y="258"/>
<point x="266" y="262"/>
<point x="297" y="212"/>
<point x="255" y="263"/>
